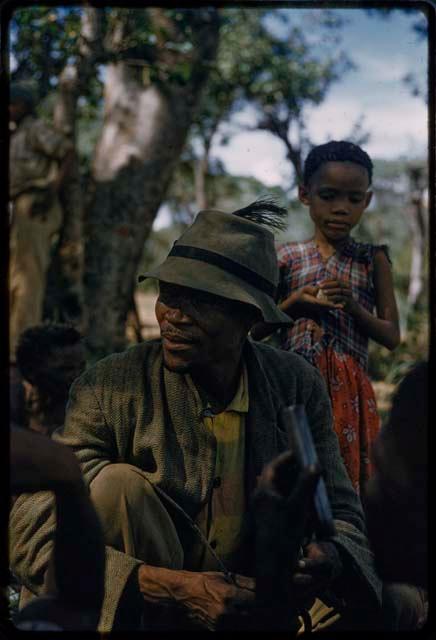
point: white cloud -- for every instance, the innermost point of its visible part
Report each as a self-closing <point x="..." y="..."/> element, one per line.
<point x="374" y="68"/>
<point x="256" y="154"/>
<point x="395" y="128"/>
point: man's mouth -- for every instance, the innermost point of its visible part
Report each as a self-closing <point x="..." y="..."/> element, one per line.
<point x="176" y="340"/>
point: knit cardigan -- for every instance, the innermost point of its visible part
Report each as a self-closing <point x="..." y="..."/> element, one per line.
<point x="129" y="408"/>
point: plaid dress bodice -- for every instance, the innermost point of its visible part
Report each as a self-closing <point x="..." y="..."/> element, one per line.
<point x="301" y="264"/>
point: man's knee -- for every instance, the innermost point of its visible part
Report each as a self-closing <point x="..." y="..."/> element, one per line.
<point x="116" y="481"/>
<point x="133" y="517"/>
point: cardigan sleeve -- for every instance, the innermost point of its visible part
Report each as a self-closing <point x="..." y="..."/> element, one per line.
<point x="86" y="429"/>
<point x="32" y="526"/>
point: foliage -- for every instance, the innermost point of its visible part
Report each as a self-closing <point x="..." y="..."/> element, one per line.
<point x="226" y="192"/>
<point x="420" y="29"/>
<point x="230" y="193"/>
<point x="392" y="366"/>
<point x="43" y="39"/>
<point x="279" y="77"/>
<point x="387" y="222"/>
<point x="275" y="62"/>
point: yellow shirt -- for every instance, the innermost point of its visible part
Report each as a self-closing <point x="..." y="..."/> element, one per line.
<point x="221" y="518"/>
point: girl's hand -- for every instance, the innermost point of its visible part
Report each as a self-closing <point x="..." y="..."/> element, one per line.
<point x="304" y="302"/>
<point x="339" y="292"/>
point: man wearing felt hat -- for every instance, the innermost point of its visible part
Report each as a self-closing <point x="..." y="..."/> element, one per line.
<point x="173" y="433"/>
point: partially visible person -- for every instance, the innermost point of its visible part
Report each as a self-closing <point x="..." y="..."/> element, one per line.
<point x="75" y="578"/>
<point x="39" y="160"/>
<point x="330" y="286"/>
<point x="397" y="494"/>
<point x="49" y="358"/>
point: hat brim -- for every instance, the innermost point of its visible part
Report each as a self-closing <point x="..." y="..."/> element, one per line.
<point x="187" y="272"/>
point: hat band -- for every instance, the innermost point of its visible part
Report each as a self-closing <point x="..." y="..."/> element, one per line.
<point x="239" y="270"/>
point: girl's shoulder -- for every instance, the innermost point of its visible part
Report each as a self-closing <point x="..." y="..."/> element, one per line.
<point x="364" y="251"/>
<point x="289" y="251"/>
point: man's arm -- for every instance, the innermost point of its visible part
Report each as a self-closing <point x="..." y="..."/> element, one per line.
<point x="33" y="517"/>
<point x="203" y="596"/>
<point x="86" y="430"/>
<point x="38" y="463"/>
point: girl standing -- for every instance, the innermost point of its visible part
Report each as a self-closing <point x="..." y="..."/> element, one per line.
<point x="330" y="286"/>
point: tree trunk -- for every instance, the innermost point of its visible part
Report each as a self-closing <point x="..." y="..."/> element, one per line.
<point x="418" y="228"/>
<point x="65" y="294"/>
<point x="201" y="169"/>
<point x="143" y="135"/>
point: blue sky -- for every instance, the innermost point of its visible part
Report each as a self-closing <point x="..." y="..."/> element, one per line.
<point x="384" y="51"/>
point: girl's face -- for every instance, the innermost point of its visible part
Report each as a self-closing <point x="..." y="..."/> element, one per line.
<point x="337" y="195"/>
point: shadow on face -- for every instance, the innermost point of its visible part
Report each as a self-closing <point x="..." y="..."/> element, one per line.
<point x="199" y="329"/>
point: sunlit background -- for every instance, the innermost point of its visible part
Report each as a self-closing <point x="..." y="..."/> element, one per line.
<point x="282" y="80"/>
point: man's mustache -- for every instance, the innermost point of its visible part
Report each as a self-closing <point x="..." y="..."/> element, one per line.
<point x="178" y="335"/>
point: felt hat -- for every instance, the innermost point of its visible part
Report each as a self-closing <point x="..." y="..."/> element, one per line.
<point x="228" y="256"/>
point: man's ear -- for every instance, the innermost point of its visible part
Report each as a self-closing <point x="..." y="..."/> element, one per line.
<point x="303" y="194"/>
<point x="368" y="198"/>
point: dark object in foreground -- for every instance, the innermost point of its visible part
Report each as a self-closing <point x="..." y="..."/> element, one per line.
<point x="289" y="505"/>
<point x="75" y="577"/>
<point x="397" y="494"/>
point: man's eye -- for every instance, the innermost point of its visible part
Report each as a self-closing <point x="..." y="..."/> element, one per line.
<point x="167" y="300"/>
<point x="356" y="199"/>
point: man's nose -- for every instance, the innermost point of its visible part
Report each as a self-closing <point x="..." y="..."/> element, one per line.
<point x="176" y="315"/>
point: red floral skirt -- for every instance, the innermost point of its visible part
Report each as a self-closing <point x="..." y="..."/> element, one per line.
<point x="355" y="417"/>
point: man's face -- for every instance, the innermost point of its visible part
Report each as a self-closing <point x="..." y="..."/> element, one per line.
<point x="197" y="328"/>
<point x="337" y="197"/>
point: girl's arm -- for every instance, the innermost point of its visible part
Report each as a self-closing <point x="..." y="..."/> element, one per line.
<point x="383" y="328"/>
<point x="300" y="303"/>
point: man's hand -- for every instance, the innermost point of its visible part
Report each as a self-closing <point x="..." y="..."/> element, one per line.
<point x="206" y="597"/>
<point x="319" y="567"/>
<point x="340" y="294"/>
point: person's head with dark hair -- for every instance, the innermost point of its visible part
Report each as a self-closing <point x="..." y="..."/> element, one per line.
<point x="335" y="187"/>
<point x="397" y="499"/>
<point x="49" y="358"/>
<point x="336" y="151"/>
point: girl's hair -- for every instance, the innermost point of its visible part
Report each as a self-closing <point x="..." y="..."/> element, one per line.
<point x="336" y="151"/>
